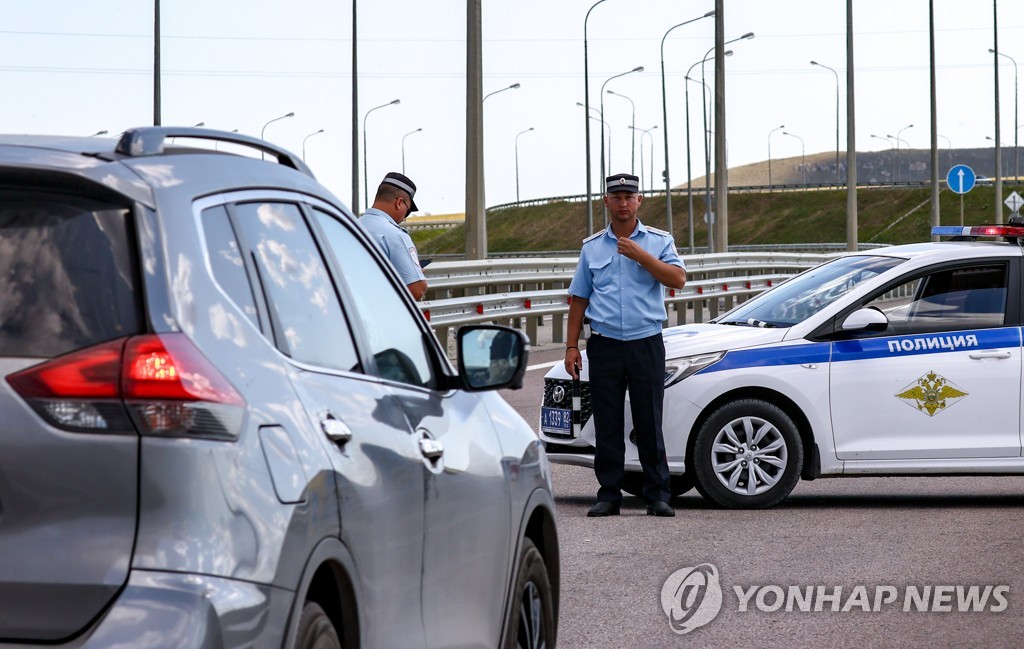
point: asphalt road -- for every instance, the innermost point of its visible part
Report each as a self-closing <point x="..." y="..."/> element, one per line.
<point x="886" y="544"/>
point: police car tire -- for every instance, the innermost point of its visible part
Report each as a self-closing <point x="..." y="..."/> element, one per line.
<point x="633" y="483"/>
<point x="707" y="481"/>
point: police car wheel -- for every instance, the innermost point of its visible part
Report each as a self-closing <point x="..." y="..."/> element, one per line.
<point x="633" y="483"/>
<point x="747" y="455"/>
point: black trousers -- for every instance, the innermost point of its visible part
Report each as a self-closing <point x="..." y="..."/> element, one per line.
<point x="637" y="366"/>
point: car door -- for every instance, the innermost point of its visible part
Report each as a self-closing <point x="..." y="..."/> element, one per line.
<point x="943" y="381"/>
<point x="467" y="534"/>
<point x="378" y="471"/>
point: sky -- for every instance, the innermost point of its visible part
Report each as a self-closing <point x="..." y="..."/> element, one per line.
<point x="76" y="67"/>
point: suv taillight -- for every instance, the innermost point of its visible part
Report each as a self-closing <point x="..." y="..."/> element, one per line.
<point x="160" y="382"/>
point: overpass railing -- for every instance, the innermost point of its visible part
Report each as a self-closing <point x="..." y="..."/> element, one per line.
<point x="523" y="292"/>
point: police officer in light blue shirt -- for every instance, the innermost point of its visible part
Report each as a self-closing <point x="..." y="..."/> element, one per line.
<point x="619" y="285"/>
<point x="391" y="205"/>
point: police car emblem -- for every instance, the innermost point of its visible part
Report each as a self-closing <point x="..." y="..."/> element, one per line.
<point x="558" y="394"/>
<point x="931" y="393"/>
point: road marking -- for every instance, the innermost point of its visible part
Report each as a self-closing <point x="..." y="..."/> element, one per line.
<point x="543" y="366"/>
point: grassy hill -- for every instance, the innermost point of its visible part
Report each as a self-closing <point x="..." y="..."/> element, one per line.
<point x="884" y="216"/>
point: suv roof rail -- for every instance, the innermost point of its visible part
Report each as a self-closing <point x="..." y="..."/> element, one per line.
<point x="149" y="140"/>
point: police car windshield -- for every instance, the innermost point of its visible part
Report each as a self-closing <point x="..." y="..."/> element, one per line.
<point x="809" y="292"/>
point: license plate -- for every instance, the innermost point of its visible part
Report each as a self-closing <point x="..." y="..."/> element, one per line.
<point x="555" y="420"/>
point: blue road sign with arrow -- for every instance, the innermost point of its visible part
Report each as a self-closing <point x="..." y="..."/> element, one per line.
<point x="961" y="179"/>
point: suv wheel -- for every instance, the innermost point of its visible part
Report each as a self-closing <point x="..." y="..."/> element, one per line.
<point x="316" y="630"/>
<point x="747" y="455"/>
<point x="532" y="625"/>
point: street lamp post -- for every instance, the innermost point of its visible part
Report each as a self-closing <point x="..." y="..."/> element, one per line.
<point x="604" y="170"/>
<point x="586" y="120"/>
<point x="803" y="164"/>
<point x="650" y="176"/>
<point x="304" y="142"/>
<point x="892" y="146"/>
<point x="366" y="152"/>
<point x="517" y="160"/>
<point x="837" y="113"/>
<point x="1016" y="158"/>
<point x="771" y="185"/>
<point x="689" y="173"/>
<point x="514" y="86"/>
<point x="403" y="147"/>
<point x="949" y="152"/>
<point x="264" y="129"/>
<point x="632" y="154"/>
<point x="898" y="140"/>
<point x="664" y="131"/>
<point x="603" y="123"/>
<point x="707" y="137"/>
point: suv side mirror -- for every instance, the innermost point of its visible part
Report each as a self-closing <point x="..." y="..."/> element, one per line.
<point x="866" y="319"/>
<point x="492" y="357"/>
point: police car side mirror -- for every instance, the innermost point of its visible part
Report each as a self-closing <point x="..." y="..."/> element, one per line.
<point x="492" y="357"/>
<point x="866" y="319"/>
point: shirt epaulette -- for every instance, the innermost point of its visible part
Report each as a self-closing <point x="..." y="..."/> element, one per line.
<point x="594" y="236"/>
<point x="657" y="231"/>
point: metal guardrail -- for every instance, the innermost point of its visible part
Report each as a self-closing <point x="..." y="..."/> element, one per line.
<point x="816" y="248"/>
<point x="511" y="290"/>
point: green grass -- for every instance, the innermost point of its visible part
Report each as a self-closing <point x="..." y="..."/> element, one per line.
<point x="890" y="216"/>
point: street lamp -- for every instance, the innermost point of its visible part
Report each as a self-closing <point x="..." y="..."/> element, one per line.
<point x="514" y="86"/>
<point x="199" y="125"/>
<point x="603" y="123"/>
<point x="898" y="140"/>
<point x="777" y="128"/>
<point x="949" y="152"/>
<point x="517" y="160"/>
<point x="264" y="129"/>
<point x="643" y="132"/>
<point x="892" y="146"/>
<point x="586" y="120"/>
<point x="304" y="142"/>
<point x="803" y="165"/>
<point x="707" y="137"/>
<point x="604" y="172"/>
<point x="632" y="154"/>
<point x="403" y="147"/>
<point x="366" y="152"/>
<point x="664" y="119"/>
<point x="104" y="132"/>
<point x="837" y="113"/>
<point x="689" y="172"/>
<point x="1016" y="158"/>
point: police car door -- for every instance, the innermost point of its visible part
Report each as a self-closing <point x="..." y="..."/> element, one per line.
<point x="943" y="380"/>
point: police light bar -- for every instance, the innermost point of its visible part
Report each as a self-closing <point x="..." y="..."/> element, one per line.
<point x="978" y="231"/>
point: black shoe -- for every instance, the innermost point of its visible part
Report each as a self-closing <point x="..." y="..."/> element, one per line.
<point x="603" y="508"/>
<point x="660" y="509"/>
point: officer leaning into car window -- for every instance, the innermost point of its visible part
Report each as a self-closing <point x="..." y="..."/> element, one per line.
<point x="391" y="205"/>
<point x="618" y="286"/>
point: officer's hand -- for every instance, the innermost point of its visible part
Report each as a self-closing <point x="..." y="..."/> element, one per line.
<point x="629" y="248"/>
<point x="573" y="361"/>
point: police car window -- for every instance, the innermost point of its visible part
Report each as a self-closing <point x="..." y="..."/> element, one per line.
<point x="809" y="292"/>
<point x="948" y="300"/>
<point x="305" y="313"/>
<point x="396" y="341"/>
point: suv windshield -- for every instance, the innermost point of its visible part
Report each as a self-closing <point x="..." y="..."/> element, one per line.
<point x="809" y="292"/>
<point x="68" y="280"/>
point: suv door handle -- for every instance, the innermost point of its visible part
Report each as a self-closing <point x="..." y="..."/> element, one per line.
<point x="979" y="356"/>
<point x="431" y="448"/>
<point x="335" y="429"/>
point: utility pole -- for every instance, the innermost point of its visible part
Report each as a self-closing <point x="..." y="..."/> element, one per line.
<point x="721" y="224"/>
<point x="476" y="212"/>
<point x="851" y="138"/>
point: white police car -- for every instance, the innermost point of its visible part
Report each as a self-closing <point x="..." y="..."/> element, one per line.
<point x="902" y="361"/>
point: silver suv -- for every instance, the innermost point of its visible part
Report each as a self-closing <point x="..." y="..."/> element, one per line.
<point x="224" y="423"/>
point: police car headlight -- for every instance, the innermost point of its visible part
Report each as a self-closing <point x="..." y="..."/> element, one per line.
<point x="677" y="369"/>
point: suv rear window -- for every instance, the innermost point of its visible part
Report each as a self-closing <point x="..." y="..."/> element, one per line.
<point x="68" y="278"/>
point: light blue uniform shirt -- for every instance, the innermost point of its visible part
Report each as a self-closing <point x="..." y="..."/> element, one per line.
<point x="395" y="242"/>
<point x="626" y="301"/>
